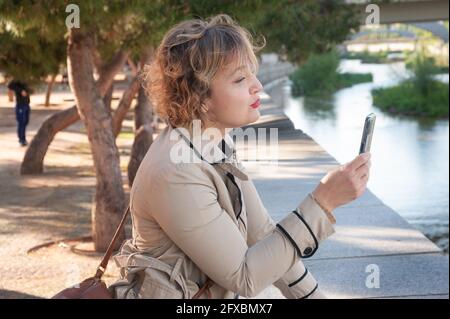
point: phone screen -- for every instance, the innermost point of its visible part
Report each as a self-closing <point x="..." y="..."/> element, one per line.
<point x="366" y="139"/>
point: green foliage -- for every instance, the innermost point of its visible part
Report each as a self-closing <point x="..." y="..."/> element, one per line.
<point x="406" y="99"/>
<point x="349" y="79"/>
<point x="115" y="24"/>
<point x="298" y="29"/>
<point x="420" y="95"/>
<point x="295" y="29"/>
<point x="367" y="57"/>
<point x="33" y="34"/>
<point x="423" y="69"/>
<point x="424" y="66"/>
<point x="319" y="75"/>
<point x="30" y="58"/>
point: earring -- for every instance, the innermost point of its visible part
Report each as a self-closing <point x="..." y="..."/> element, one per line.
<point x="204" y="108"/>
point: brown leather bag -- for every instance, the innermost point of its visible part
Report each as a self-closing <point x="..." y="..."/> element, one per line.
<point x="95" y="288"/>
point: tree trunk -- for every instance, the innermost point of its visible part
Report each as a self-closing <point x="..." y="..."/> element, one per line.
<point x="124" y="105"/>
<point x="107" y="99"/>
<point x="133" y="67"/>
<point x="49" y="89"/>
<point x="33" y="162"/>
<point x="143" y="113"/>
<point x="109" y="202"/>
<point x="131" y="91"/>
<point x="142" y="141"/>
<point x="143" y="117"/>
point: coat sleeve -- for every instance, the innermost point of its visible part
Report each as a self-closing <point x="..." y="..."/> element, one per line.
<point x="305" y="228"/>
<point x="183" y="200"/>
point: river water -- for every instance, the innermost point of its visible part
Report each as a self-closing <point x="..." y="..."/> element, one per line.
<point x="410" y="156"/>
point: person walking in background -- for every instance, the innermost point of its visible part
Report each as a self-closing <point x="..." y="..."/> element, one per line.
<point x="22" y="93"/>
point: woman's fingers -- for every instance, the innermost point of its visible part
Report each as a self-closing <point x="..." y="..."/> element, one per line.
<point x="348" y="182"/>
<point x="365" y="177"/>
<point x="359" y="161"/>
<point x="363" y="169"/>
<point x="363" y="174"/>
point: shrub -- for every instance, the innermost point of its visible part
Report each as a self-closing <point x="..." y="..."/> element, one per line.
<point x="319" y="75"/>
<point x="420" y="95"/>
<point x="406" y="99"/>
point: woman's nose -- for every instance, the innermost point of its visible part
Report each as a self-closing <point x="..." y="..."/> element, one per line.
<point x="257" y="86"/>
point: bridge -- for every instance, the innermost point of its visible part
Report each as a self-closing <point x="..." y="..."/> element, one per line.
<point x="424" y="14"/>
<point x="406" y="11"/>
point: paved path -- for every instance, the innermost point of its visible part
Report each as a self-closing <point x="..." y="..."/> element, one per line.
<point x="368" y="231"/>
<point x="370" y="236"/>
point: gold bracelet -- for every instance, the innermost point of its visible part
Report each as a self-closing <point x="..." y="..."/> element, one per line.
<point x="327" y="212"/>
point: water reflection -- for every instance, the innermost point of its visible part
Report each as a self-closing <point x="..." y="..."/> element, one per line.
<point x="410" y="157"/>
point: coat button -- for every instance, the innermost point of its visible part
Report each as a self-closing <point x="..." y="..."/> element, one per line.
<point x="307" y="251"/>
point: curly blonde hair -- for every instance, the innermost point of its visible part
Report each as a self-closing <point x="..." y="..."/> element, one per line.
<point x="190" y="54"/>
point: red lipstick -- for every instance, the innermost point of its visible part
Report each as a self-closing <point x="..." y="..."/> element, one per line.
<point x="256" y="104"/>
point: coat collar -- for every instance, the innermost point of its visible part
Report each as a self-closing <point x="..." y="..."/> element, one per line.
<point x="222" y="154"/>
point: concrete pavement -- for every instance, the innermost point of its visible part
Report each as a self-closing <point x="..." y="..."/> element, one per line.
<point x="370" y="237"/>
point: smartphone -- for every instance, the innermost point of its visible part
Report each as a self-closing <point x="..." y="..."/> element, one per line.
<point x="366" y="140"/>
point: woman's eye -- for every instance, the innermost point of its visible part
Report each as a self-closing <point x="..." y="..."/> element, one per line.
<point x="240" y="80"/>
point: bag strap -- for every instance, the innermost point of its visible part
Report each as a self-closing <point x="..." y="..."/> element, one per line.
<point x="205" y="287"/>
<point x="104" y="263"/>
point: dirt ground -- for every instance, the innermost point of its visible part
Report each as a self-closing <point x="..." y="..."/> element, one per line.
<point x="52" y="206"/>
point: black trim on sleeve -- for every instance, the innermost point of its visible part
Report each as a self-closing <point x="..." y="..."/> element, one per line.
<point x="306" y="296"/>
<point x="311" y="232"/>
<point x="299" y="279"/>
<point x="297" y="249"/>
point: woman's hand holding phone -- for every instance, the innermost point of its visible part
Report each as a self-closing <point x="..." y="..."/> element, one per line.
<point x="349" y="181"/>
<point x="344" y="184"/>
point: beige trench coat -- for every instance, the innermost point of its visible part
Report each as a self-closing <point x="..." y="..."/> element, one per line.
<point x="186" y="229"/>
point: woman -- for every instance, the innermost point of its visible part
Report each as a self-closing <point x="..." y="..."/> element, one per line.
<point x="199" y="219"/>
